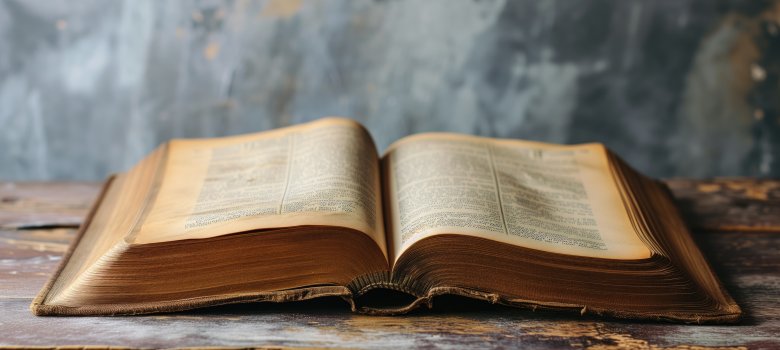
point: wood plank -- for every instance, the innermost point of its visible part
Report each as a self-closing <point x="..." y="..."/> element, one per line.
<point x="29" y="257"/>
<point x="45" y="204"/>
<point x="729" y="204"/>
<point x="332" y="328"/>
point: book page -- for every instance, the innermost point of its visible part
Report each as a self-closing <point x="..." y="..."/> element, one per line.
<point x="561" y="199"/>
<point x="321" y="173"/>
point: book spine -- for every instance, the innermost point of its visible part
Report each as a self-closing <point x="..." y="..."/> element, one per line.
<point x="378" y="280"/>
<point x="385" y="280"/>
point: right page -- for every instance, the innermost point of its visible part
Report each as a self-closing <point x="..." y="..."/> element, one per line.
<point x="555" y="198"/>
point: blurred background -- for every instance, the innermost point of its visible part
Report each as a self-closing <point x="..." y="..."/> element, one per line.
<point x="677" y="88"/>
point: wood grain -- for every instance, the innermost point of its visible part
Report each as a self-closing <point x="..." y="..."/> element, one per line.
<point x="747" y="262"/>
<point x="729" y="204"/>
<point x="29" y="205"/>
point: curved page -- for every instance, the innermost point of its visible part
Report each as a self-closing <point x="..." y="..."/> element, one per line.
<point x="320" y="173"/>
<point x="560" y="199"/>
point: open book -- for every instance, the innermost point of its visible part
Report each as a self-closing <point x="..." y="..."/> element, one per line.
<point x="312" y="210"/>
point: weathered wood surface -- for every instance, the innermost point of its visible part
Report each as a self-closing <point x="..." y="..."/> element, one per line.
<point x="29" y="205"/>
<point x="748" y="262"/>
<point x="729" y="204"/>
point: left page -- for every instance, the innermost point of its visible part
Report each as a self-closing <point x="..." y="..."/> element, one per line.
<point x="323" y="173"/>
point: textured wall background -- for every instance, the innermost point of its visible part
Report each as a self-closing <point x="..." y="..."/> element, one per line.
<point x="678" y="88"/>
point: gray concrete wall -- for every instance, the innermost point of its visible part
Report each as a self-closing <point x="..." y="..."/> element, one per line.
<point x="89" y="87"/>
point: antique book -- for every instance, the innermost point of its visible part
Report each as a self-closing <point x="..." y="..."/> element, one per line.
<point x="312" y="210"/>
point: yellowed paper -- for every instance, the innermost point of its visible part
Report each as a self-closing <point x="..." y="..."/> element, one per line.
<point x="321" y="173"/>
<point x="561" y="199"/>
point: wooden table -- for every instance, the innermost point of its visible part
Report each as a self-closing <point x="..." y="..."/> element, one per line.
<point x="737" y="225"/>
